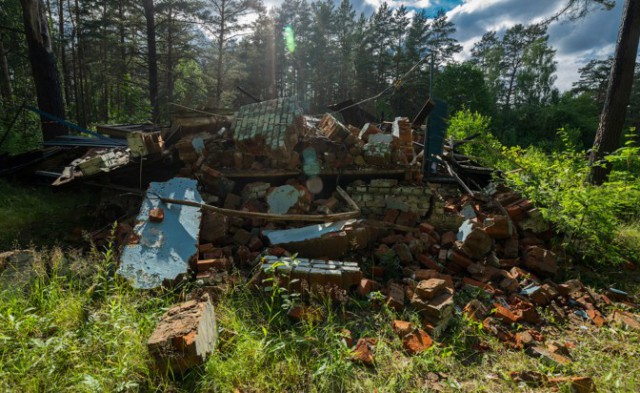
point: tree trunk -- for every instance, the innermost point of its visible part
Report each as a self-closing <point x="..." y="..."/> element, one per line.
<point x="5" y="80"/>
<point x="43" y="66"/>
<point x="81" y="99"/>
<point x="149" y="14"/>
<point x="63" y="56"/>
<point x="170" y="55"/>
<point x="221" y="40"/>
<point x="618" y="92"/>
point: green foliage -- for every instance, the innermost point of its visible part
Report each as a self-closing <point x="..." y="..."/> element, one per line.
<point x="589" y="216"/>
<point x="465" y="124"/>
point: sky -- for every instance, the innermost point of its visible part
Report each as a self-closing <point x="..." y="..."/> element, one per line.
<point x="577" y="42"/>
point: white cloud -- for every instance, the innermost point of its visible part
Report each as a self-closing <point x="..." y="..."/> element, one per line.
<point x="576" y="42"/>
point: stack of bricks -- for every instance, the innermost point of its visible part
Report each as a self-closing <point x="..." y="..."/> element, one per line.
<point x="314" y="272"/>
<point x="401" y="129"/>
<point x="381" y="195"/>
<point x="269" y="128"/>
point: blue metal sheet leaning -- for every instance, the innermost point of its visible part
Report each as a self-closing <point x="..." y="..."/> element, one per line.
<point x="164" y="249"/>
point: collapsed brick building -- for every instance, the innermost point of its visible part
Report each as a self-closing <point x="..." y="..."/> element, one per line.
<point x="324" y="206"/>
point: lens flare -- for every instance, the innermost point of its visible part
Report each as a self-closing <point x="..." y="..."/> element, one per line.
<point x="289" y="39"/>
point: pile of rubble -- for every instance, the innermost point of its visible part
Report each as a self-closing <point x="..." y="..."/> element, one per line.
<point x="249" y="186"/>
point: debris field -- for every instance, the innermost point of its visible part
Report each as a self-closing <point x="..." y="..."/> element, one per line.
<point x="326" y="206"/>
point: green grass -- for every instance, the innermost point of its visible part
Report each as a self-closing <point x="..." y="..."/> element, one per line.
<point x="72" y="332"/>
<point x="77" y="333"/>
<point x="40" y="214"/>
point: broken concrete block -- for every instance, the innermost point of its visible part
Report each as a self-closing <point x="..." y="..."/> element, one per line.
<point x="270" y="128"/>
<point x="185" y="336"/>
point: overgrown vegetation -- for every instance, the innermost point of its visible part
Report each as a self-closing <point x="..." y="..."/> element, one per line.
<point x="596" y="223"/>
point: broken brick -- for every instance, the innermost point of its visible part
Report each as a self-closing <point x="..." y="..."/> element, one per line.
<point x="477" y="244"/>
<point x="428" y="289"/>
<point x="448" y="239"/>
<point x="214" y="264"/>
<point x="367" y="286"/>
<point x="401" y="328"/>
<point x="156" y="214"/>
<point x="363" y="352"/>
<point x="395" y="298"/>
<point x="541" y="261"/>
<point x="576" y="384"/>
<point x="185" y="336"/>
<point x="505" y="314"/>
<point x="475" y="310"/>
<point x="416" y="342"/>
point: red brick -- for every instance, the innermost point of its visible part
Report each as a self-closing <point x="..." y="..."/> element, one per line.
<point x="395" y="297"/>
<point x="347" y="336"/>
<point x="401" y="328"/>
<point x="417" y="342"/>
<point x="478" y="284"/>
<point x="505" y="314"/>
<point x="391" y="215"/>
<point x="425" y="227"/>
<point x="425" y="274"/>
<point x="428" y="289"/>
<point x="408" y="219"/>
<point x="367" y="286"/>
<point x="427" y="262"/>
<point x="498" y="227"/>
<point x="577" y="384"/>
<point x="363" y="352"/>
<point x="156" y="214"/>
<point x="213" y="264"/>
<point x="459" y="259"/>
<point x="378" y="271"/>
<point x="255" y="244"/>
<point x="541" y="261"/>
<point x="448" y="239"/>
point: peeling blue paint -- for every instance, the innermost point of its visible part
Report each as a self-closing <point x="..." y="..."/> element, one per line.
<point x="165" y="248"/>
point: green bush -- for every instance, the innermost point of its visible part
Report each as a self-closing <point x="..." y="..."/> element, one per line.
<point x="590" y="218"/>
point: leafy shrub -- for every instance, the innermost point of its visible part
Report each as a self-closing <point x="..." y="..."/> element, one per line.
<point x="465" y="124"/>
<point x="589" y="217"/>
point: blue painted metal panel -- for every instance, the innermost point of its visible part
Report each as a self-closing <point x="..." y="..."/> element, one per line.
<point x="165" y="248"/>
